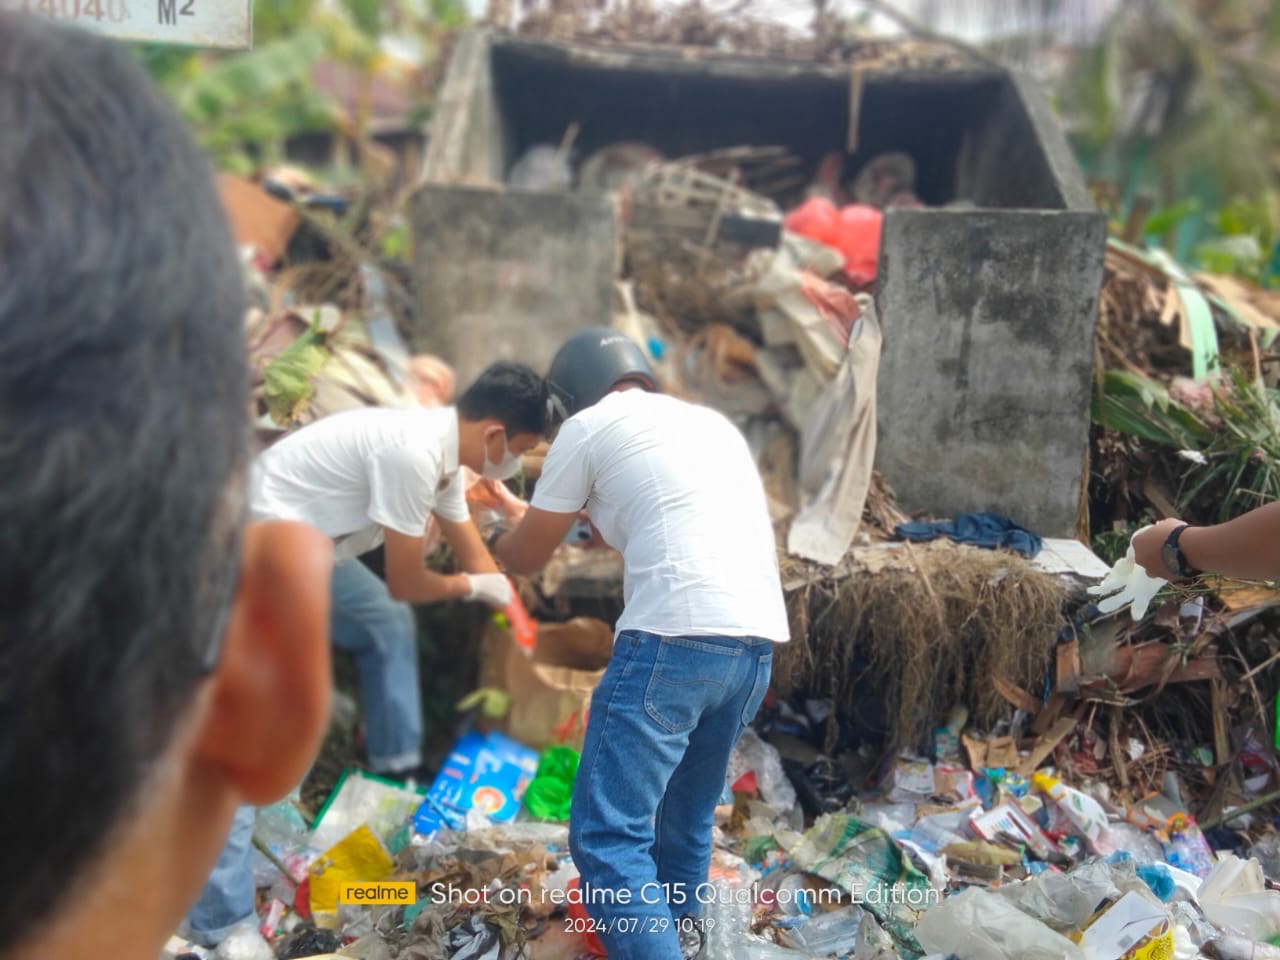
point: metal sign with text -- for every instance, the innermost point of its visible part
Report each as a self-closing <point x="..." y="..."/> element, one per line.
<point x="196" y="23"/>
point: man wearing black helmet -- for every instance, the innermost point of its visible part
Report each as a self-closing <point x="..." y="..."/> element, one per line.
<point x="693" y="649"/>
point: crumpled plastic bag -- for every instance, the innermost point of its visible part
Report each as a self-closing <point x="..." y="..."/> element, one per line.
<point x="753" y="755"/>
<point x="977" y="925"/>
<point x="1065" y="901"/>
<point x="1127" y="583"/>
<point x="244" y="943"/>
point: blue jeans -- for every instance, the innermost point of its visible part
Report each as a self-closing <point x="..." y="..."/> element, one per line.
<point x="228" y="895"/>
<point x="663" y="722"/>
<point x="381" y="633"/>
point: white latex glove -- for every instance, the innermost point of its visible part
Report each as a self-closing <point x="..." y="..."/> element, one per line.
<point x="492" y="588"/>
<point x="1127" y="583"/>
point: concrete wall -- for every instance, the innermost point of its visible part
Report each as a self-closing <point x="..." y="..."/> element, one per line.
<point x="507" y="275"/>
<point x="984" y="380"/>
<point x="988" y="313"/>
<point x="1016" y="157"/>
<point x="467" y="143"/>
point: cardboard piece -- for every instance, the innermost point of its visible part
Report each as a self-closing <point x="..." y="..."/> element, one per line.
<point x="257" y="218"/>
<point x="1002" y="753"/>
<point x="953" y="781"/>
<point x="487" y="772"/>
<point x="551" y="689"/>
<point x="1009" y="819"/>
<point x="976" y="750"/>
<point x="910" y="780"/>
<point x="1132" y="928"/>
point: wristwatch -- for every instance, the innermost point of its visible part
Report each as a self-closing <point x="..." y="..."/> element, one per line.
<point x="1175" y="561"/>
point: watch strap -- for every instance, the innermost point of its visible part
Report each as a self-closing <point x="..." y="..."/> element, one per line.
<point x="1180" y="558"/>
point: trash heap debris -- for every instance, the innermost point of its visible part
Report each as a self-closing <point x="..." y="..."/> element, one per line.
<point x="694" y="24"/>
<point x="962" y="756"/>
<point x="970" y="852"/>
<point x="1183" y="416"/>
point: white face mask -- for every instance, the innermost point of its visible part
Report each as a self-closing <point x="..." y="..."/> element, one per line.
<point x="504" y="469"/>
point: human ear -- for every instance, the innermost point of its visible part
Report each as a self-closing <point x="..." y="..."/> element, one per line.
<point x="271" y="688"/>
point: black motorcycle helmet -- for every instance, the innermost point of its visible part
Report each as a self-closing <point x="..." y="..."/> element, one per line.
<point x="589" y="364"/>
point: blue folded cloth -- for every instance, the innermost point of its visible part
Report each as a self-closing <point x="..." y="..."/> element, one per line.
<point x="979" y="529"/>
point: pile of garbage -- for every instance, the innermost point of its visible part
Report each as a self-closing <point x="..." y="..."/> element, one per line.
<point x="963" y="756"/>
<point x="976" y="851"/>
<point x="1182" y="355"/>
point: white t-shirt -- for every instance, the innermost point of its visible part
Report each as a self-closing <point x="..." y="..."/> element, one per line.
<point x="673" y="487"/>
<point x="353" y="473"/>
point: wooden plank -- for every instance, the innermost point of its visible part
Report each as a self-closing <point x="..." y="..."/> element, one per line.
<point x="1218" y="704"/>
<point x="1068" y="672"/>
<point x="1113" y="743"/>
<point x="1049" y="714"/>
<point x="1045" y="745"/>
<point x="1151" y="664"/>
<point x="1016" y="696"/>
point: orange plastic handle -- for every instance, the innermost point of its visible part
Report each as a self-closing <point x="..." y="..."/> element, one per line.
<point x="523" y="628"/>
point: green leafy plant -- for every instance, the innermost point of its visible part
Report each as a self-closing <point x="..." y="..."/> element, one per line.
<point x="1243" y="469"/>
<point x="1234" y="445"/>
<point x="493" y="702"/>
<point x="1111" y="545"/>
<point x="243" y="107"/>
<point x="1245" y="233"/>
<point x="1141" y="407"/>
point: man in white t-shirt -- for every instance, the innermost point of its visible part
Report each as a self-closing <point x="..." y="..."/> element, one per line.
<point x="672" y="485"/>
<point x="370" y="477"/>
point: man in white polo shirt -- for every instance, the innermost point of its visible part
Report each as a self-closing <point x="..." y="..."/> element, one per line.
<point x="672" y="485"/>
<point x="370" y="477"/>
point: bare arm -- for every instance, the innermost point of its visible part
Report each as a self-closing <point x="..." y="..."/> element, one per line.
<point x="529" y="546"/>
<point x="408" y="578"/>
<point x="464" y="539"/>
<point x="1247" y="547"/>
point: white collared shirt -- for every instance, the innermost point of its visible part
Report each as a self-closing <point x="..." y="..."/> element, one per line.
<point x="672" y="486"/>
<point x="354" y="473"/>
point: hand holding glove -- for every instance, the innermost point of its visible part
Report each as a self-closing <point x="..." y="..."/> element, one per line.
<point x="491" y="588"/>
<point x="1128" y="583"/>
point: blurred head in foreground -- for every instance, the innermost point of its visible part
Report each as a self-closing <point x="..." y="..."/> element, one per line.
<point x="160" y="662"/>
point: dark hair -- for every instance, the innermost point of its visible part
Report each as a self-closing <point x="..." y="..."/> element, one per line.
<point x="123" y="442"/>
<point x="511" y="393"/>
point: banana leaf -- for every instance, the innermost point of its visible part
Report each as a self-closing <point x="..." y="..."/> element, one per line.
<point x="287" y="380"/>
<point x="1142" y="408"/>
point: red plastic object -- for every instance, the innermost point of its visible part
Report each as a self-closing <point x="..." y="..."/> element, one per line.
<point x="578" y="913"/>
<point x="523" y="628"/>
<point x="860" y="241"/>
<point x="817" y="219"/>
<point x="302" y="899"/>
<point x="853" y="230"/>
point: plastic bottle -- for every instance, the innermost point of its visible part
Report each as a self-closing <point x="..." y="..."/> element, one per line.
<point x="1187" y="848"/>
<point x="1081" y="809"/>
<point x="946" y="738"/>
